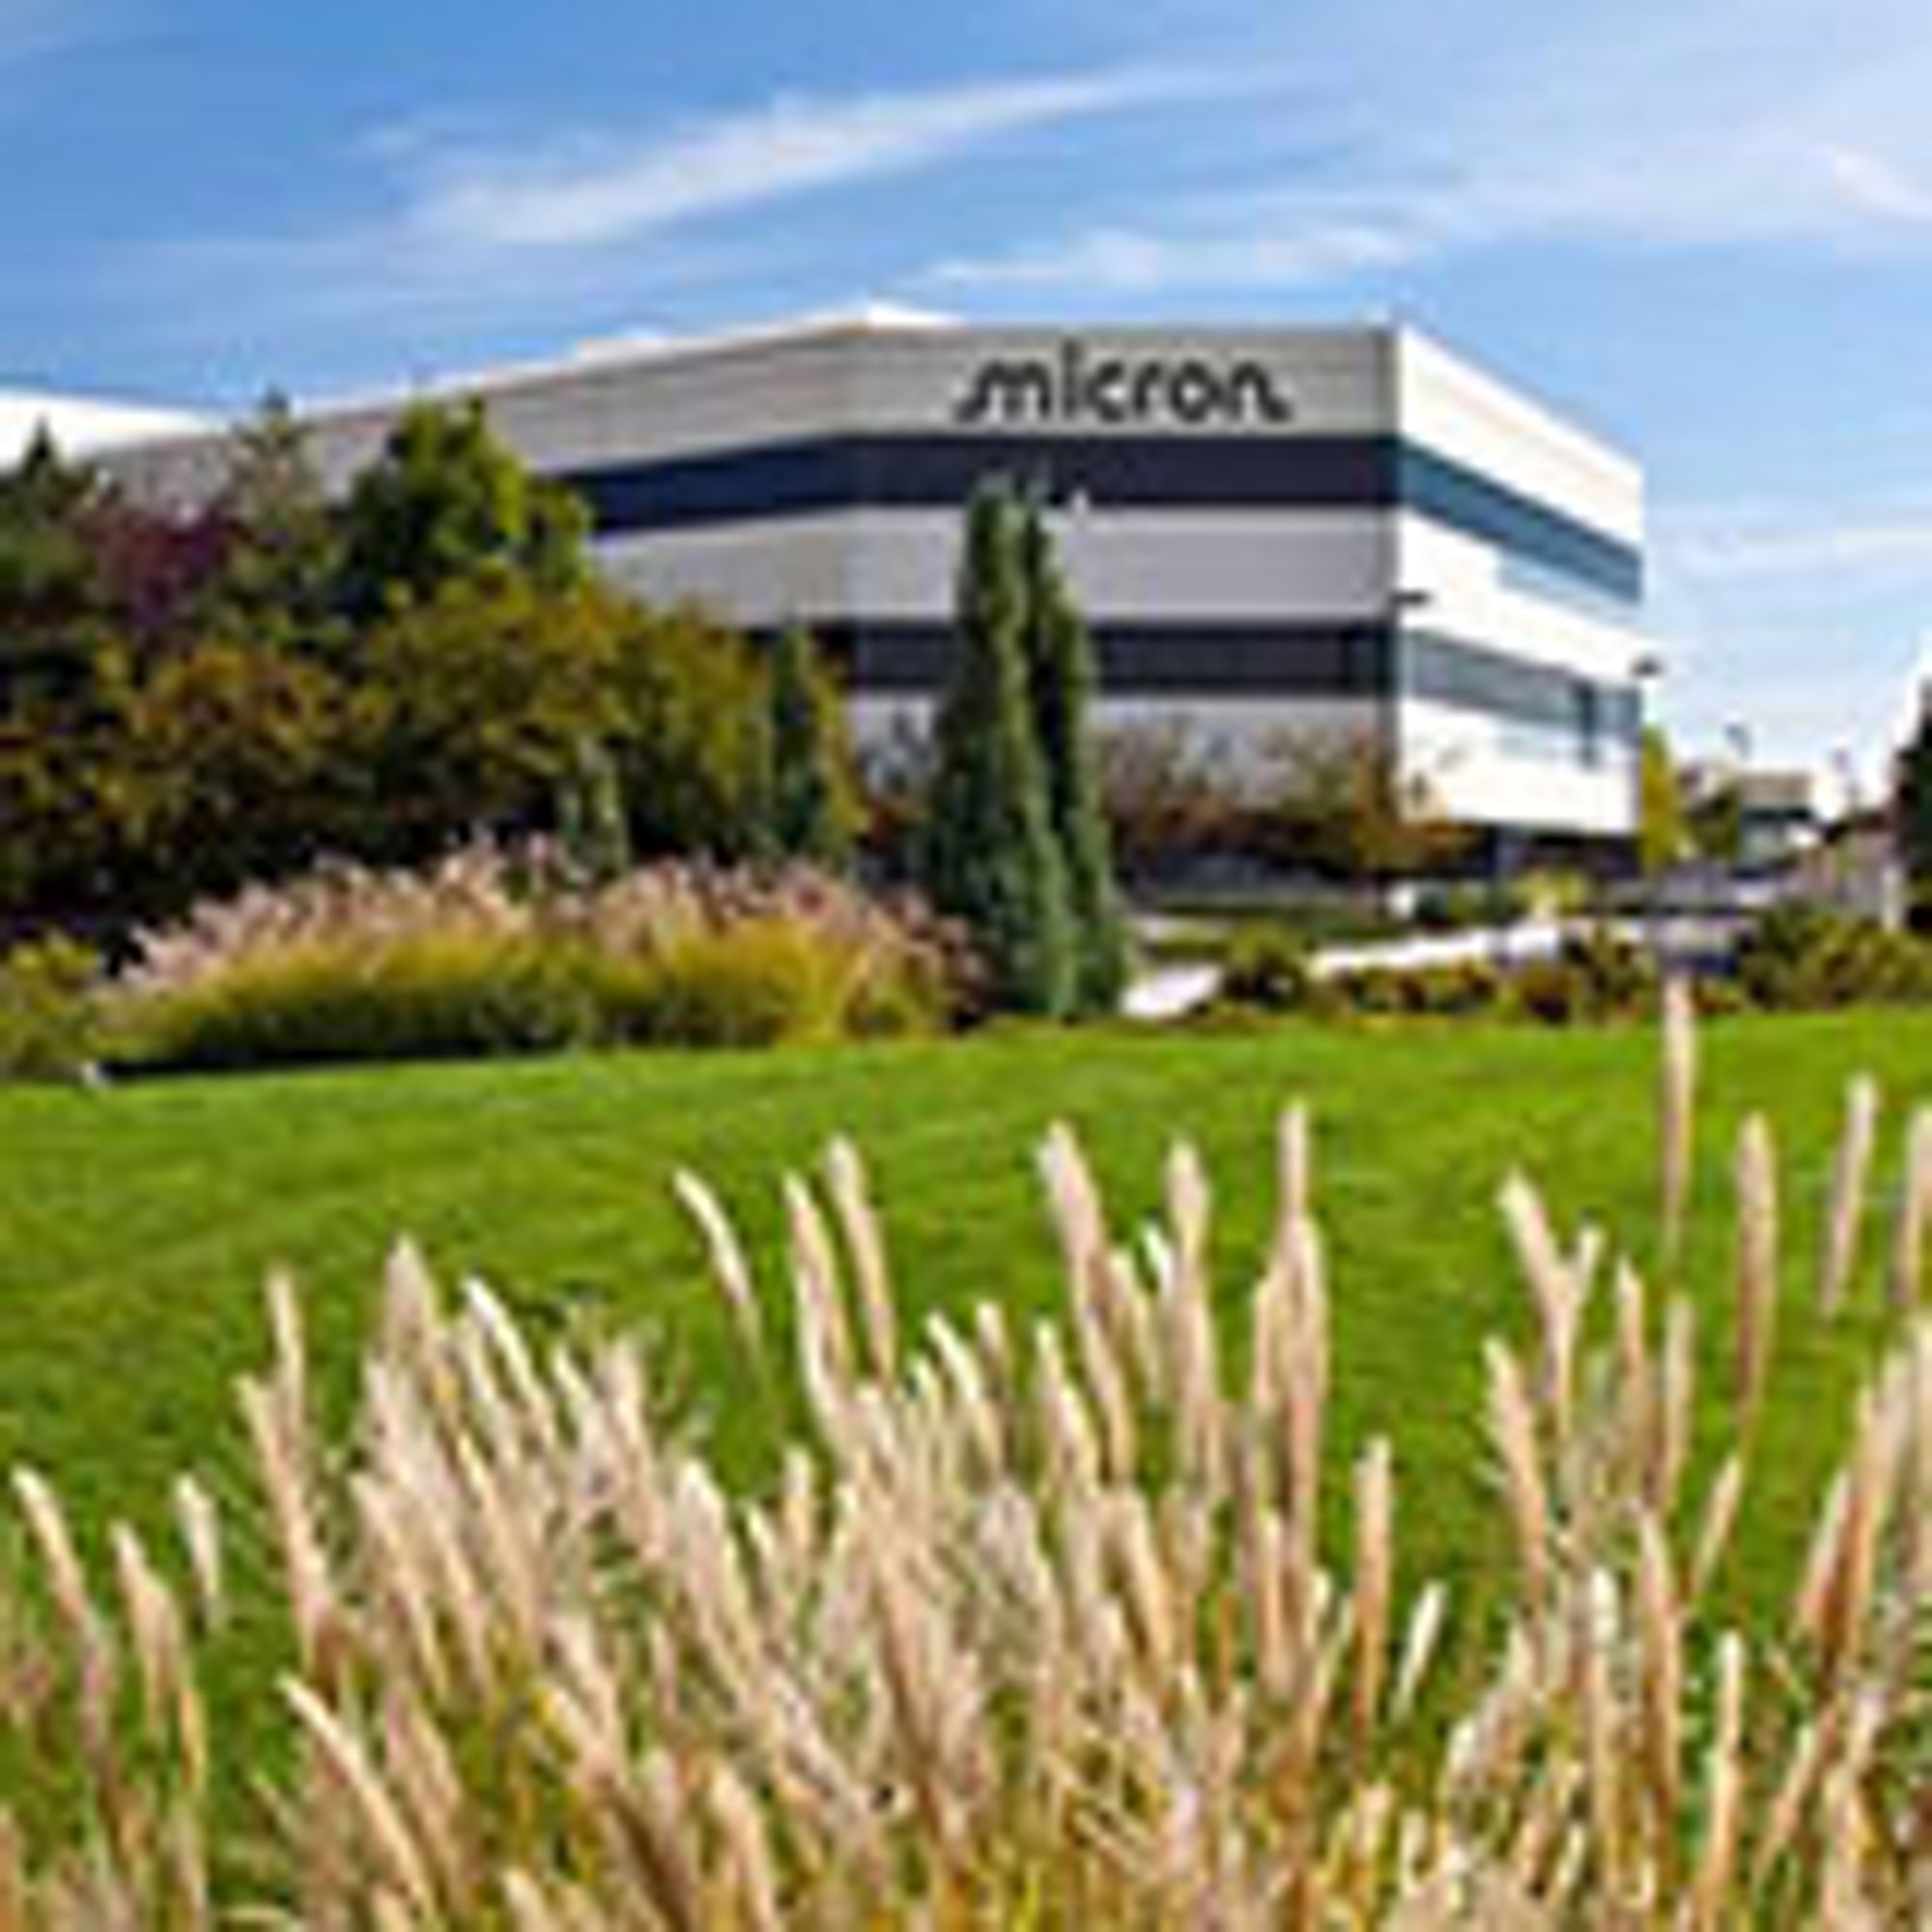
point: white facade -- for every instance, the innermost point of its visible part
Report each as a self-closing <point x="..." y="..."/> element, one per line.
<point x="1270" y="530"/>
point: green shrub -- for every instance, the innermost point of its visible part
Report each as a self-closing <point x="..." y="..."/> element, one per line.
<point x="1468" y="987"/>
<point x="1548" y="892"/>
<point x="1796" y="959"/>
<point x="1595" y="976"/>
<point x="49" y="1011"/>
<point x="1372" y="990"/>
<point x="427" y="998"/>
<point x="1546" y="991"/>
<point x="1456" y="908"/>
<point x="1615" y="979"/>
<point x="1800" y="959"/>
<point x="1267" y="967"/>
<point x="764" y="983"/>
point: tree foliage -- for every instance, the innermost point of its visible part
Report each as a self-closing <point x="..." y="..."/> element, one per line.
<point x="692" y="742"/>
<point x="1662" y="831"/>
<point x="52" y="594"/>
<point x="468" y="707"/>
<point x="232" y="772"/>
<point x="283" y="582"/>
<point x="987" y="852"/>
<point x="190" y="699"/>
<point x="1343" y="807"/>
<point x="1061" y="683"/>
<point x="593" y="823"/>
<point x="446" y="500"/>
<point x="1715" y="822"/>
<point x="1912" y="809"/>
<point x="815" y="807"/>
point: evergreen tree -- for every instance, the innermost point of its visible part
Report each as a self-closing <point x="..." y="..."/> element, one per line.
<point x="1911" y="814"/>
<point x="279" y="584"/>
<point x="52" y="597"/>
<point x="813" y="808"/>
<point x="987" y="854"/>
<point x="1061" y="680"/>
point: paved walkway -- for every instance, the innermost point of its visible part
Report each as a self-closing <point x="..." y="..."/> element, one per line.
<point x="1527" y="939"/>
<point x="1172" y="991"/>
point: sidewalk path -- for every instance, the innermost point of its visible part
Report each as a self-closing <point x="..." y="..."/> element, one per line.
<point x="1172" y="991"/>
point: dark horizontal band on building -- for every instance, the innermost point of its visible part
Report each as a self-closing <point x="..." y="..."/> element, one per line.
<point x="1361" y="662"/>
<point x="934" y="470"/>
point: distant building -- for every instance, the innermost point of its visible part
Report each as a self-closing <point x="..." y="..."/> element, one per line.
<point x="1854" y="867"/>
<point x="1778" y="812"/>
<point x="1274" y="531"/>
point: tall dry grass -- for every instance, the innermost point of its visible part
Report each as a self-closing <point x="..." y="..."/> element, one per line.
<point x="1076" y="1624"/>
<point x="499" y="950"/>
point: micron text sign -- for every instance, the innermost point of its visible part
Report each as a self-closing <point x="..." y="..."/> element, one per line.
<point x="1076" y="385"/>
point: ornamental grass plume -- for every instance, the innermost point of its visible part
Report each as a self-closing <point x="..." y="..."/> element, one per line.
<point x="1914" y="1216"/>
<point x="1851" y="1184"/>
<point x="496" y="951"/>
<point x="1099" y="1621"/>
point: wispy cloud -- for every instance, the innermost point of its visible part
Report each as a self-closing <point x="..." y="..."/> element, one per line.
<point x="1886" y="540"/>
<point x="1653" y="124"/>
<point x="459" y="225"/>
<point x="30" y="29"/>
<point x="1803" y="617"/>
<point x="590" y="195"/>
<point x="1879" y="187"/>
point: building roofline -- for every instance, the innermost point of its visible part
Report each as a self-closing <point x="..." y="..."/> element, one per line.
<point x="1407" y="344"/>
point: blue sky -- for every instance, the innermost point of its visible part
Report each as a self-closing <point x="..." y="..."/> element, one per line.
<point x="1704" y="226"/>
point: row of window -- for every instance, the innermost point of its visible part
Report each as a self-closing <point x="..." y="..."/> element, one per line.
<point x="1468" y="677"/>
<point x="1218" y="660"/>
<point x="1306" y="661"/>
<point x="1190" y="472"/>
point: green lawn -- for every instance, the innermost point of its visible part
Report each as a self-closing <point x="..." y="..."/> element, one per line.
<point x="136" y="1224"/>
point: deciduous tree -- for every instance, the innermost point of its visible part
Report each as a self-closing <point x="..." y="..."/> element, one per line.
<point x="282" y="583"/>
<point x="814" y="809"/>
<point x="1662" y="829"/>
<point x="692" y="738"/>
<point x="444" y="499"/>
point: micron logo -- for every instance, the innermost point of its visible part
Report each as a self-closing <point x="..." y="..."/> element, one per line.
<point x="1076" y="386"/>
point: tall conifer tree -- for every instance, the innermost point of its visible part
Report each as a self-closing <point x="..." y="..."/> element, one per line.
<point x="1911" y="814"/>
<point x="1061" y="680"/>
<point x="987" y="852"/>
